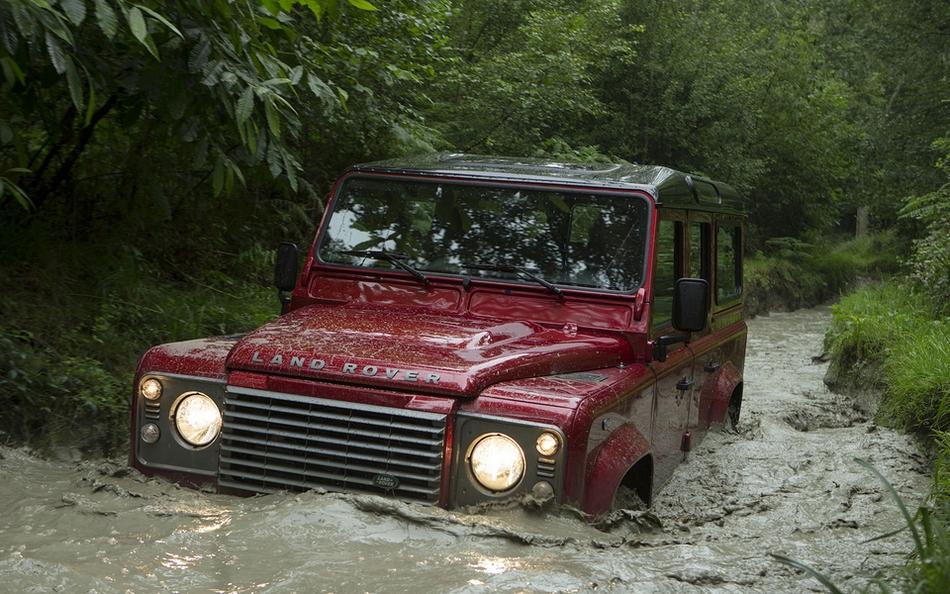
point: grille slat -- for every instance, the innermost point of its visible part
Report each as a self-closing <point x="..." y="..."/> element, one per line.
<point x="272" y="442"/>
<point x="316" y="426"/>
<point x="347" y="418"/>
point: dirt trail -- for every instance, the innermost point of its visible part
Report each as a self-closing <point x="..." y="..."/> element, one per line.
<point x="785" y="482"/>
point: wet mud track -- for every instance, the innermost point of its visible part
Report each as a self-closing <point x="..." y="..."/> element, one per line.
<point x="784" y="482"/>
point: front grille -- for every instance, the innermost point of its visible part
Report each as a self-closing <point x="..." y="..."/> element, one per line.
<point x="276" y="442"/>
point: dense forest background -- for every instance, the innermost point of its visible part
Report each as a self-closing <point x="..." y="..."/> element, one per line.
<point x="152" y="154"/>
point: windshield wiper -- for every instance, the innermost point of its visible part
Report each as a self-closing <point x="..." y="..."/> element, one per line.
<point x="518" y="270"/>
<point x="394" y="259"/>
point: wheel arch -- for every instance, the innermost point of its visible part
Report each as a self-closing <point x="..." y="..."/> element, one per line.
<point x="611" y="463"/>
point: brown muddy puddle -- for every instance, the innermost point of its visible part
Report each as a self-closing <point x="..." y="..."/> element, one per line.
<point x="784" y="483"/>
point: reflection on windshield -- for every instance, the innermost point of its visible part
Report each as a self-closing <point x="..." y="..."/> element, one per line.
<point x="567" y="238"/>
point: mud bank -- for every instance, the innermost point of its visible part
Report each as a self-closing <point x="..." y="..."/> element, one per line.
<point x="784" y="482"/>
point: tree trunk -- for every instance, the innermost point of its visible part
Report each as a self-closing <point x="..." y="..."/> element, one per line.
<point x="861" y="224"/>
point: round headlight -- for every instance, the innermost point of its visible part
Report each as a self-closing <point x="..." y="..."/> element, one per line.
<point x="497" y="462"/>
<point x="197" y="419"/>
<point x="151" y="389"/>
<point x="547" y="444"/>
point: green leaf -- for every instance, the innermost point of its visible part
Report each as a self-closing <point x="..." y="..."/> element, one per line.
<point x="140" y="30"/>
<point x="217" y="177"/>
<point x="6" y="132"/>
<point x="56" y="54"/>
<point x="320" y="88"/>
<point x="290" y="167"/>
<point x="271" y="6"/>
<point x="17" y="192"/>
<point x="362" y="4"/>
<point x="273" y="82"/>
<point x="273" y="119"/>
<point x="75" y="84"/>
<point x="272" y="24"/>
<point x="105" y="16"/>
<point x="809" y="570"/>
<point x="161" y="19"/>
<point x="75" y="10"/>
<point x="91" y="104"/>
<point x="245" y="106"/>
<point x="11" y="70"/>
<point x="274" y="162"/>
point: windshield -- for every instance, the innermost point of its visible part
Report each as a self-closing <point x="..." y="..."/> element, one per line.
<point x="567" y="238"/>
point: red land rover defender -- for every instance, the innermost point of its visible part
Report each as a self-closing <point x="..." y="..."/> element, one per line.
<point x="470" y="328"/>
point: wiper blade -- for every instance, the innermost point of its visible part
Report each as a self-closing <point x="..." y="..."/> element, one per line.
<point x="393" y="258"/>
<point x="518" y="270"/>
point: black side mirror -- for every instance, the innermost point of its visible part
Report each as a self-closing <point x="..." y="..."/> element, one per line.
<point x="690" y="304"/>
<point x="285" y="272"/>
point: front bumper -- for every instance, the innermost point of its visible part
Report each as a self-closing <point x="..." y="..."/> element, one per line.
<point x="273" y="441"/>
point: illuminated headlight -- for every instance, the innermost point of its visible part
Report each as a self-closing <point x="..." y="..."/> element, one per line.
<point x="197" y="419"/>
<point x="151" y="389"/>
<point x="547" y="444"/>
<point x="497" y="462"/>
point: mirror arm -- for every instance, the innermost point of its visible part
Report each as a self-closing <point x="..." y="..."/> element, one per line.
<point x="660" y="349"/>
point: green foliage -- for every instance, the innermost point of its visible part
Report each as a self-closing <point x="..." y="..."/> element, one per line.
<point x="887" y="332"/>
<point x="231" y="89"/>
<point x="931" y="253"/>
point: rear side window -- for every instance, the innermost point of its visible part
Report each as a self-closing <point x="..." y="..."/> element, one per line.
<point x="728" y="262"/>
<point x="699" y="250"/>
<point x="668" y="255"/>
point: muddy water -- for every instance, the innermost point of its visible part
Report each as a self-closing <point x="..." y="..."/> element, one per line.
<point x="785" y="482"/>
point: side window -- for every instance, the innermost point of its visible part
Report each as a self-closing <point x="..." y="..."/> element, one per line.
<point x="728" y="264"/>
<point x="699" y="250"/>
<point x="668" y="257"/>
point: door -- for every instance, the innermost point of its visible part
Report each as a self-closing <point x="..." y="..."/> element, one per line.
<point x="674" y="377"/>
<point x="706" y="351"/>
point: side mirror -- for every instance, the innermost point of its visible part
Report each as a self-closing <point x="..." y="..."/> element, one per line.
<point x="690" y="304"/>
<point x="285" y="269"/>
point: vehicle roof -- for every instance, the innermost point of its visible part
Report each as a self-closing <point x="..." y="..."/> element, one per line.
<point x="668" y="186"/>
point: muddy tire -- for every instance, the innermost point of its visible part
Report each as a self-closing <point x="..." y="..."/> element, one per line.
<point x="734" y="410"/>
<point x="628" y="498"/>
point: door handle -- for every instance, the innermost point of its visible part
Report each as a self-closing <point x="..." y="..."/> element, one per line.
<point x="711" y="366"/>
<point x="684" y="384"/>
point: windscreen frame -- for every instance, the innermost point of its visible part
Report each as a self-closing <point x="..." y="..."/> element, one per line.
<point x="412" y="177"/>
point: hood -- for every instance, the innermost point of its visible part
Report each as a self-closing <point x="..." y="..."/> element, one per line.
<point x="416" y="350"/>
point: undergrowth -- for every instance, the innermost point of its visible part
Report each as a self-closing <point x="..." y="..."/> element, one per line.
<point x="790" y="274"/>
<point x="73" y="322"/>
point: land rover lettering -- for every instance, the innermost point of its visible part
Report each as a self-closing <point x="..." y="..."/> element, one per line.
<point x="467" y="329"/>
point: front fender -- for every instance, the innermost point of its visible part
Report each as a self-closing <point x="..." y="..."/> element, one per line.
<point x="608" y="464"/>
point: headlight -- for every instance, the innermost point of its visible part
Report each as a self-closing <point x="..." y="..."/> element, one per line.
<point x="547" y="444"/>
<point x="151" y="389"/>
<point x="497" y="462"/>
<point x="197" y="419"/>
